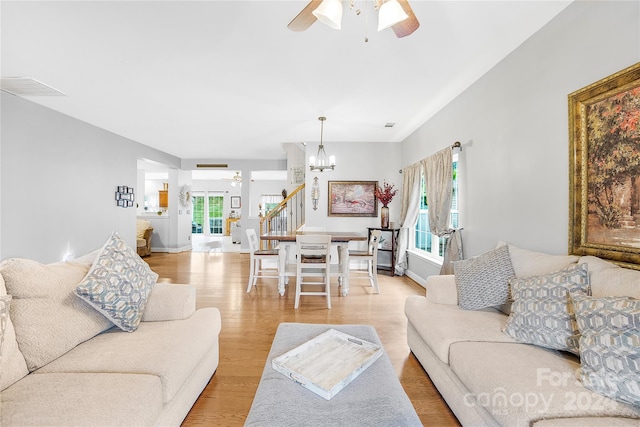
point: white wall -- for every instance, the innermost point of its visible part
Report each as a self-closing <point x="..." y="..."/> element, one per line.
<point x="513" y="124"/>
<point x="59" y="178"/>
<point x="373" y="161"/>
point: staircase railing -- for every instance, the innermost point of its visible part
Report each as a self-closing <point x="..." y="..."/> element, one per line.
<point x="287" y="216"/>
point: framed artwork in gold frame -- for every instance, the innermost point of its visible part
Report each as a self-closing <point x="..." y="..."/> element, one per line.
<point x="604" y="169"/>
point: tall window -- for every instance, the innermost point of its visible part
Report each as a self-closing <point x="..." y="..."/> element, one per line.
<point x="424" y="240"/>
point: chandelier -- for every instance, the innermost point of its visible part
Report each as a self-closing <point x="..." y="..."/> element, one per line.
<point x="236" y="180"/>
<point x="320" y="163"/>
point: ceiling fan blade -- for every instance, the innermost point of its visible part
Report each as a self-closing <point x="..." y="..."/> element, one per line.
<point x="409" y="25"/>
<point x="305" y="18"/>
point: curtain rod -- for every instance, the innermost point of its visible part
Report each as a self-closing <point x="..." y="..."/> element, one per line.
<point x="455" y="145"/>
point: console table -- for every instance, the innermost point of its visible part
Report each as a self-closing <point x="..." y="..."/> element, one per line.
<point x="227" y="225"/>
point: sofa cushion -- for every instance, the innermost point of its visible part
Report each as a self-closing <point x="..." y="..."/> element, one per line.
<point x="520" y="383"/>
<point x="530" y="263"/>
<point x="441" y="325"/>
<point x="81" y="399"/>
<point x="118" y="284"/>
<point x="608" y="279"/>
<point x="483" y="281"/>
<point x="5" y="300"/>
<point x="169" y="301"/>
<point x="48" y="318"/>
<point x="610" y="345"/>
<point x="542" y="314"/>
<point x="147" y="350"/>
<point x="12" y="364"/>
<point x="441" y="289"/>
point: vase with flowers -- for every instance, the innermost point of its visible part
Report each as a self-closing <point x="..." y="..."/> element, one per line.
<point x="385" y="194"/>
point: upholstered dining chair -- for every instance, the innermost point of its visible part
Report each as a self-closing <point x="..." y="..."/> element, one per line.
<point x="371" y="257"/>
<point x="256" y="269"/>
<point x="313" y="265"/>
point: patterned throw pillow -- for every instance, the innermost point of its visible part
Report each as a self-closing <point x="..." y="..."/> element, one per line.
<point x="118" y="284"/>
<point x="483" y="281"/>
<point x="542" y="313"/>
<point x="610" y="345"/>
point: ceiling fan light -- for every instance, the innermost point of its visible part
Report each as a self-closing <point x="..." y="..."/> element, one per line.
<point x="390" y="13"/>
<point x="330" y="13"/>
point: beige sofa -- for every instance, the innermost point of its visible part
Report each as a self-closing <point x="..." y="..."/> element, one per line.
<point x="64" y="364"/>
<point x="487" y="378"/>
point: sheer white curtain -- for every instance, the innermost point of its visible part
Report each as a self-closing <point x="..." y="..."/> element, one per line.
<point x="409" y="210"/>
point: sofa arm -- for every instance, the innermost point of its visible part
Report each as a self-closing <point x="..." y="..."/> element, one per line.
<point x="442" y="289"/>
<point x="169" y="301"/>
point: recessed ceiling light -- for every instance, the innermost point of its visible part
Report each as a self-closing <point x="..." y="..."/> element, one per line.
<point x="389" y="125"/>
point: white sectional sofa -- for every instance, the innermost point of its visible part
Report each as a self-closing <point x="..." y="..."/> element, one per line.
<point x="65" y="364"/>
<point x="489" y="378"/>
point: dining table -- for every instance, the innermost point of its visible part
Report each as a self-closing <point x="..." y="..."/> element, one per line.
<point x="287" y="240"/>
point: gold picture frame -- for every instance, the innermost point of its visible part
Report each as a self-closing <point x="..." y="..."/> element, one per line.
<point x="352" y="198"/>
<point x="604" y="169"/>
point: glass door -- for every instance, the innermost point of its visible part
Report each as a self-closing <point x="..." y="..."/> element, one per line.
<point x="216" y="203"/>
<point x="197" y="209"/>
<point x="207" y="208"/>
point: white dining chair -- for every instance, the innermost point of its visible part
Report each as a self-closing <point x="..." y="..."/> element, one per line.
<point x="313" y="266"/>
<point x="256" y="269"/>
<point x="371" y="258"/>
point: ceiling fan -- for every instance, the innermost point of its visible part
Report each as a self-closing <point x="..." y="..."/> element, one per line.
<point x="309" y="15"/>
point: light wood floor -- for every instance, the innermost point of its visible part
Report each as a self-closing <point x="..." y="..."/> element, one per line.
<point x="249" y="322"/>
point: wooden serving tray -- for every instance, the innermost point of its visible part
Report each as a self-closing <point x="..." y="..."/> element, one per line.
<point x="328" y="363"/>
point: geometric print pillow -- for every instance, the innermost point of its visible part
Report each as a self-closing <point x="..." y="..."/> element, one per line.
<point x="610" y="346"/>
<point x="542" y="313"/>
<point x="118" y="284"/>
<point x="483" y="281"/>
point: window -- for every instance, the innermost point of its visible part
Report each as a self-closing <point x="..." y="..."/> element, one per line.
<point x="424" y="240"/>
<point x="268" y="202"/>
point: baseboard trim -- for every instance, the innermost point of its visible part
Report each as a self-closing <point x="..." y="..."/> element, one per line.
<point x="419" y="280"/>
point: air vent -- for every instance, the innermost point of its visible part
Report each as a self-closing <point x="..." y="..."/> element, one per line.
<point x="26" y="86"/>
<point x="389" y="125"/>
<point x="212" y="165"/>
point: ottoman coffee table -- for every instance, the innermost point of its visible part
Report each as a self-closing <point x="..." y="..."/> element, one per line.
<point x="374" y="398"/>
